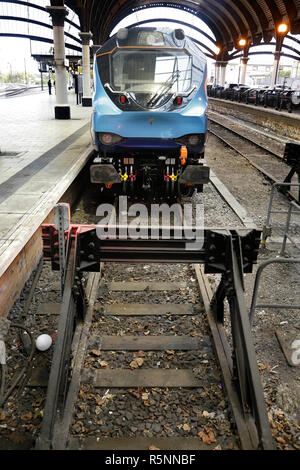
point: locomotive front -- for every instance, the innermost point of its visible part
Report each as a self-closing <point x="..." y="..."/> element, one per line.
<point x="149" y="117"/>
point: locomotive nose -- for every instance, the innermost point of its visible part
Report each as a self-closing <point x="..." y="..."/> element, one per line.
<point x="151" y="125"/>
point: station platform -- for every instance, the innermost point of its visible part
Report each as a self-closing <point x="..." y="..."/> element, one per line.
<point x="39" y="158"/>
<point x="281" y="123"/>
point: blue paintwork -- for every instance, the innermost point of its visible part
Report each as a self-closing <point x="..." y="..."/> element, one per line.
<point x="149" y="124"/>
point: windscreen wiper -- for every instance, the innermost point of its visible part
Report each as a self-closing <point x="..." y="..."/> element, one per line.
<point x="163" y="89"/>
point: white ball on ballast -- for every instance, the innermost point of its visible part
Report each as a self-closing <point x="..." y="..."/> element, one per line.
<point x="43" y="342"/>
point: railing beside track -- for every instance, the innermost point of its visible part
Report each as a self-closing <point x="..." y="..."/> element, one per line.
<point x="269" y="224"/>
<point x="261" y="268"/>
<point x="293" y="208"/>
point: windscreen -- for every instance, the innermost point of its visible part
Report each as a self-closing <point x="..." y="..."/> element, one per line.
<point x="151" y="76"/>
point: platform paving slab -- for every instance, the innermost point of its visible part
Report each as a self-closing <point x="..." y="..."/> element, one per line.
<point x="39" y="158"/>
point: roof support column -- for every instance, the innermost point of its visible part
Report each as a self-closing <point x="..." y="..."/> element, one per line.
<point x="86" y="68"/>
<point x="244" y="69"/>
<point x="217" y="73"/>
<point x="277" y="55"/>
<point x="223" y="73"/>
<point x="244" y="45"/>
<point x="62" y="108"/>
<point x="280" y="35"/>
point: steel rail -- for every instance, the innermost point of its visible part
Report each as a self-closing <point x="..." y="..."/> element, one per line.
<point x="248" y="138"/>
<point x="237" y="149"/>
<point x="245" y="422"/>
<point x="58" y="378"/>
<point x="238" y="364"/>
<point x="75" y="318"/>
<point x="61" y="428"/>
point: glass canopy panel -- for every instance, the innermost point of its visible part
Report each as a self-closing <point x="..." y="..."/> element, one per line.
<point x="36" y="14"/>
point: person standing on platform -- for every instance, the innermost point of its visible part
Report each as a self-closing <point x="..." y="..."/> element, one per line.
<point x="49" y="86"/>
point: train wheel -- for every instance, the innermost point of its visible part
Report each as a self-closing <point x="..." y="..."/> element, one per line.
<point x="185" y="190"/>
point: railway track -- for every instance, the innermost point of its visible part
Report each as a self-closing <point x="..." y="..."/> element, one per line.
<point x="9" y="92"/>
<point x="83" y="363"/>
<point x="264" y="153"/>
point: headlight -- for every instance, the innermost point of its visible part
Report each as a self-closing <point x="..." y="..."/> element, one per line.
<point x="192" y="140"/>
<point x="109" y="139"/>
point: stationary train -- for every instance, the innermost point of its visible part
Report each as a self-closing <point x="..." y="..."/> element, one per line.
<point x="149" y="114"/>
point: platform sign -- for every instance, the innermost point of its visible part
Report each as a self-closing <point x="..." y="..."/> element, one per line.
<point x="43" y="67"/>
<point x="80" y="84"/>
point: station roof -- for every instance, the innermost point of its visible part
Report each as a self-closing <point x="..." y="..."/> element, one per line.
<point x="30" y="20"/>
<point x="229" y="20"/>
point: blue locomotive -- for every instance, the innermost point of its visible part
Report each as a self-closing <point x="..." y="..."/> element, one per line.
<point x="149" y="114"/>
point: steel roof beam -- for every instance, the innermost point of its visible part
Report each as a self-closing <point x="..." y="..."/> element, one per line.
<point x="228" y="19"/>
<point x="37" y="7"/>
<point x="228" y="31"/>
<point x="268" y="53"/>
<point x="38" y="23"/>
<point x="38" y="38"/>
